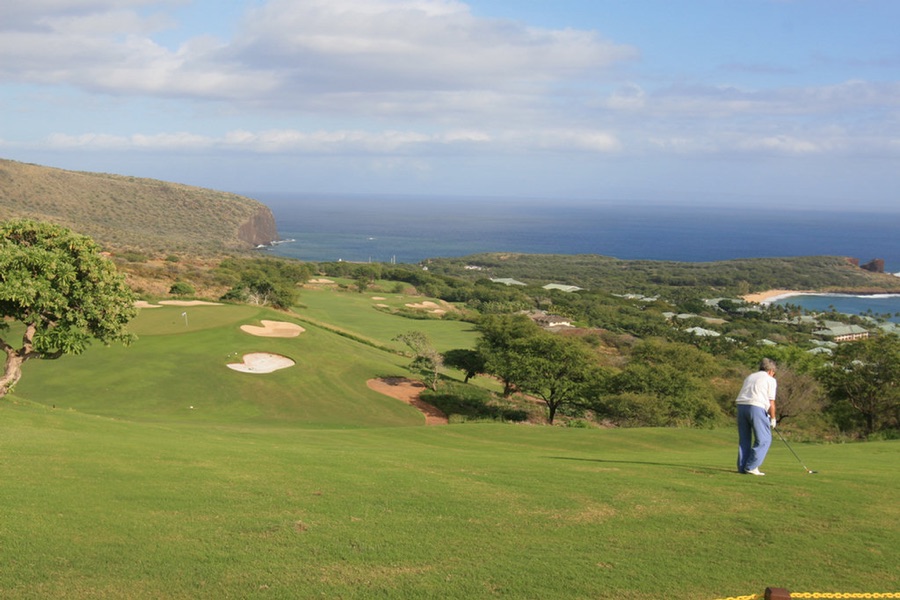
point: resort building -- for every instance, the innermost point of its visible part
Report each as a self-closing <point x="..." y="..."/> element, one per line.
<point x="840" y="332"/>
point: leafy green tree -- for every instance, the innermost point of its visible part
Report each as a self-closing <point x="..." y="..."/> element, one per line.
<point x="365" y="275"/>
<point x="865" y="375"/>
<point x="498" y="333"/>
<point x="556" y="369"/>
<point x="62" y="289"/>
<point x="470" y="362"/>
<point x="426" y="360"/>
<point x="664" y="394"/>
<point x="260" y="290"/>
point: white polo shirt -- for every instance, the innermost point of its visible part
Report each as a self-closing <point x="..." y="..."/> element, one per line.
<point x="758" y="390"/>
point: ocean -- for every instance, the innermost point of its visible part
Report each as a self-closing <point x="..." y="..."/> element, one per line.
<point x="409" y="230"/>
<point x="882" y="305"/>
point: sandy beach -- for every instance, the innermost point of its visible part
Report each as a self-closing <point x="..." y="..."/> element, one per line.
<point x="772" y="295"/>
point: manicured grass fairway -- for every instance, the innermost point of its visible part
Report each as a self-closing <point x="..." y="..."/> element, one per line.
<point x="300" y="487"/>
<point x="358" y="314"/>
<point x="173" y="367"/>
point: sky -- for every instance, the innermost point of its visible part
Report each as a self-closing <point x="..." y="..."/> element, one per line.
<point x="767" y="103"/>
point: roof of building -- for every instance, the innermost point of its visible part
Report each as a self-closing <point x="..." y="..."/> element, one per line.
<point x="562" y="288"/>
<point x="699" y="331"/>
<point x="508" y="281"/>
<point x="841" y="329"/>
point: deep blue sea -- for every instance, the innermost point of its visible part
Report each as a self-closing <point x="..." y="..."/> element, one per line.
<point x="408" y="230"/>
<point x="881" y="305"/>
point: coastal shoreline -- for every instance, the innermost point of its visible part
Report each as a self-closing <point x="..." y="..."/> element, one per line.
<point x="770" y="296"/>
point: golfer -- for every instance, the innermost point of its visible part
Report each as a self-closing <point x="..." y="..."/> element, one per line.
<point x="756" y="417"/>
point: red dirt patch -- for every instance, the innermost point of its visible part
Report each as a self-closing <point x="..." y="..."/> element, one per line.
<point x="407" y="390"/>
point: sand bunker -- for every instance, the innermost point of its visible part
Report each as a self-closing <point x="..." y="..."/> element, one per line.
<point x="407" y="390"/>
<point x="279" y="329"/>
<point x="189" y="303"/>
<point x="262" y="362"/>
<point x="320" y="280"/>
<point x="434" y="308"/>
<point x="145" y="304"/>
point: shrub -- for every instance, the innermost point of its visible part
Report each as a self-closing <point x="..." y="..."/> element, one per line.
<point x="182" y="288"/>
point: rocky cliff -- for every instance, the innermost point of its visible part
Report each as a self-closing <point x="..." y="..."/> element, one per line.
<point x="130" y="213"/>
<point x="259" y="229"/>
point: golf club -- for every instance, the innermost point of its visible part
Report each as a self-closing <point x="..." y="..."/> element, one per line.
<point x="794" y="453"/>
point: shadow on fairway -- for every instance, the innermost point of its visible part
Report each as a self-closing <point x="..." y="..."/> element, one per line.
<point x="645" y="463"/>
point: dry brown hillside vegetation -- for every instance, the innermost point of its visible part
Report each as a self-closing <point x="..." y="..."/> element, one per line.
<point x="133" y="214"/>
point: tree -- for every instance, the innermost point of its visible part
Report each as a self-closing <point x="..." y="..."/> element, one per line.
<point x="466" y="360"/>
<point x="58" y="285"/>
<point x="798" y="394"/>
<point x="866" y="376"/>
<point x="263" y="281"/>
<point x="556" y="369"/>
<point x="655" y="394"/>
<point x="426" y="359"/>
<point x="498" y="333"/>
<point x="262" y="291"/>
<point x="365" y="275"/>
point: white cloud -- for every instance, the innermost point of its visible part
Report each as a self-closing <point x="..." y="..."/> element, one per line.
<point x="349" y="141"/>
<point x="782" y="144"/>
<point x="346" y="45"/>
<point x="292" y="54"/>
<point x="408" y="77"/>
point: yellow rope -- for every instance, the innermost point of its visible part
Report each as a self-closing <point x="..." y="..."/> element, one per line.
<point x="828" y="595"/>
<point x="843" y="595"/>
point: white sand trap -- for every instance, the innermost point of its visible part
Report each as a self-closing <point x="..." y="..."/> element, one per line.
<point x="279" y="329"/>
<point x="320" y="280"/>
<point x="435" y="309"/>
<point x="145" y="304"/>
<point x="262" y="362"/>
<point x="378" y="298"/>
<point x="426" y="304"/>
<point x="189" y="303"/>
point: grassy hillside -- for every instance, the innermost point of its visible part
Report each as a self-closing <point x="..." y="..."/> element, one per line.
<point x="740" y="276"/>
<point x="129" y="213"/>
<point x="303" y="483"/>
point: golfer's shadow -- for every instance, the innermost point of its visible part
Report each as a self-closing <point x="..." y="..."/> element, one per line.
<point x="646" y="463"/>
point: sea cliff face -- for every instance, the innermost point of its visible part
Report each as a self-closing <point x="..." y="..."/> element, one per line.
<point x="260" y="229"/>
<point x="125" y="213"/>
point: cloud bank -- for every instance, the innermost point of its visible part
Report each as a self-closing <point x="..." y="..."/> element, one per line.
<point x="399" y="78"/>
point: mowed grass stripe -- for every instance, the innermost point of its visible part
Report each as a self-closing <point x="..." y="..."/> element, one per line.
<point x="141" y="510"/>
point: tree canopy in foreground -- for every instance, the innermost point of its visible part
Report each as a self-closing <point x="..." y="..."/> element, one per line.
<point x="61" y="289"/>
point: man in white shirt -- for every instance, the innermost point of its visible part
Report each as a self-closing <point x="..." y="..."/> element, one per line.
<point x="756" y="417"/>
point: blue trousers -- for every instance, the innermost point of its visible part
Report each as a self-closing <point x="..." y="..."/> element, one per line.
<point x="754" y="436"/>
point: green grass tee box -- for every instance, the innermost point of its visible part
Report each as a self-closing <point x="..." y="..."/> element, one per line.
<point x="100" y="507"/>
